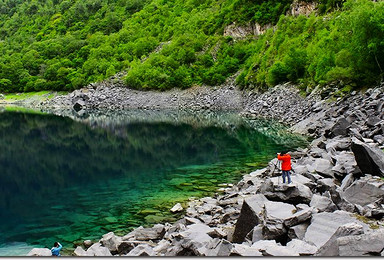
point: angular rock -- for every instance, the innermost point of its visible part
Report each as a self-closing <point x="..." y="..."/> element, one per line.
<point x="324" y="225"/>
<point x="177" y="208"/>
<point x="162" y="247"/>
<point x="302" y="248"/>
<point x="325" y="184"/>
<point x="271" y="248"/>
<point x="223" y="248"/>
<point x="87" y="243"/>
<point x="339" y="128"/>
<point x="292" y="193"/>
<point x="362" y="245"/>
<point x="257" y="233"/>
<point x="155" y="233"/>
<point x="243" y="250"/>
<point x="345" y="164"/>
<point x="299" y="217"/>
<point x="196" y="238"/>
<point x="40" y="252"/>
<point x="331" y="248"/>
<point x="249" y="216"/>
<point x="124" y="247"/>
<point x="142" y="250"/>
<point x="322" y="167"/>
<point x="362" y="193"/>
<point x="111" y="241"/>
<point x="370" y="159"/>
<point x="98" y="250"/>
<point x="79" y="251"/>
<point x="275" y="213"/>
<point x="347" y="181"/>
<point x="298" y="231"/>
<point x="322" y="203"/>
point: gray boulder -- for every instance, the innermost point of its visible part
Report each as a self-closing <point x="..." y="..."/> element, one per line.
<point x="339" y="128"/>
<point x="155" y="233"/>
<point x="161" y="247"/>
<point x="325" y="184"/>
<point x="275" y="213"/>
<point x="196" y="239"/>
<point x="299" y="217"/>
<point x="347" y="181"/>
<point x="370" y="159"/>
<point x="331" y="248"/>
<point x="110" y="241"/>
<point x="40" y="252"/>
<point x="244" y="250"/>
<point x="322" y="167"/>
<point x="249" y="216"/>
<point x="292" y="193"/>
<point x="302" y="248"/>
<point x="79" y="251"/>
<point x="176" y="208"/>
<point x="87" y="243"/>
<point x="142" y="250"/>
<point x="98" y="250"/>
<point x="271" y="248"/>
<point x="257" y="233"/>
<point x="362" y="193"/>
<point x="324" y="225"/>
<point x="345" y="164"/>
<point x="322" y="203"/>
<point x="362" y="245"/>
<point x="298" y="231"/>
<point x="222" y="248"/>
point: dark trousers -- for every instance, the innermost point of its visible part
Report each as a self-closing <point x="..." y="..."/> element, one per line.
<point x="288" y="174"/>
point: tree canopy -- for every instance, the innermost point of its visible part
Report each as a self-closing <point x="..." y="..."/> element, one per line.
<point x="66" y="44"/>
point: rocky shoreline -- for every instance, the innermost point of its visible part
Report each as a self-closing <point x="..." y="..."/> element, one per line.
<point x="334" y="207"/>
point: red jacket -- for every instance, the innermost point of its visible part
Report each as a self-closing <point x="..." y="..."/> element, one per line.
<point x="286" y="158"/>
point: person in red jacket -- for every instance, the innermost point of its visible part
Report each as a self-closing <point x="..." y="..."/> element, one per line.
<point x="286" y="165"/>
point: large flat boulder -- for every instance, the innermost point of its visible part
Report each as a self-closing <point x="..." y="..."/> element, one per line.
<point x="370" y="244"/>
<point x="294" y="193"/>
<point x="362" y="193"/>
<point x="331" y="248"/>
<point x="324" y="225"/>
<point x="249" y="216"/>
<point x="369" y="158"/>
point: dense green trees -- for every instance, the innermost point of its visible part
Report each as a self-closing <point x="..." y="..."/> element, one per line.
<point x="65" y="44"/>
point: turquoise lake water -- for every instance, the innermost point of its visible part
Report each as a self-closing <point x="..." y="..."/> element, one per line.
<point x="69" y="179"/>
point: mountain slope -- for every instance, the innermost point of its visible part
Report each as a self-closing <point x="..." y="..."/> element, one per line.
<point x="66" y="44"/>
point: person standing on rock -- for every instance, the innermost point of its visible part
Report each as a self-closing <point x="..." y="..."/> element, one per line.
<point x="286" y="165"/>
<point x="56" y="249"/>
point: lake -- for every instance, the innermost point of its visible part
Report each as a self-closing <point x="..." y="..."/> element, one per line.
<point x="68" y="177"/>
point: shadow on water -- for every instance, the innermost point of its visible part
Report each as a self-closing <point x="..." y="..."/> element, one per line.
<point x="71" y="179"/>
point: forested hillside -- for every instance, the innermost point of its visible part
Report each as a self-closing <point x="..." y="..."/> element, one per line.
<point x="66" y="44"/>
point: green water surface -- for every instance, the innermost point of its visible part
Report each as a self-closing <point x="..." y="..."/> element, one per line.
<point x="70" y="179"/>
